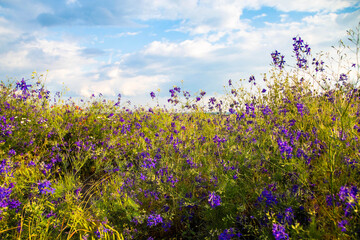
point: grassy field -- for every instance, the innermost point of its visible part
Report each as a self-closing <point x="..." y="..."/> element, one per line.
<point x="276" y="162"/>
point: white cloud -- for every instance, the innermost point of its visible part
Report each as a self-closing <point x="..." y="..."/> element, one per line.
<point x="196" y="48"/>
<point x="260" y="16"/>
<point x="123" y="34"/>
<point x="66" y="64"/>
<point x="247" y="51"/>
<point x="69" y="2"/>
<point x="203" y="17"/>
<point x="309" y="5"/>
<point x="199" y="17"/>
<point x="115" y="80"/>
<point x="284" y="17"/>
<point x="6" y="31"/>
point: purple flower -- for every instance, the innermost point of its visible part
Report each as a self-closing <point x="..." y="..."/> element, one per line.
<point x="343" y="193"/>
<point x="147" y="140"/>
<point x="142" y="177"/>
<point x="214" y="200"/>
<point x="14" y="204"/>
<point x="285" y="148"/>
<point x="348" y="196"/>
<point x="233" y="92"/>
<point x="301" y="49"/>
<point x="186" y="94"/>
<point x="343" y="77"/>
<point x="31" y="163"/>
<point x="229" y="234"/>
<point x="353" y="191"/>
<point x="289" y="215"/>
<point x="172" y="180"/>
<point x="154" y="220"/>
<point x="44" y="187"/>
<point x="51" y="214"/>
<point x="97" y="233"/>
<point x="212" y="100"/>
<point x="279" y="232"/>
<point x="295" y="188"/>
<point x="300" y="108"/>
<point x="166" y="225"/>
<point x="252" y="79"/>
<point x="149" y="163"/>
<point x="319" y="66"/>
<point x="77" y="191"/>
<point x="4" y="167"/>
<point x="342" y="224"/>
<point x="152" y="94"/>
<point x="278" y="59"/>
<point x="6" y="201"/>
<point x="330" y="200"/>
<point x="270" y="199"/>
<point x="22" y="85"/>
<point x="266" y="111"/>
<point x="11" y="152"/>
<point x="5" y="126"/>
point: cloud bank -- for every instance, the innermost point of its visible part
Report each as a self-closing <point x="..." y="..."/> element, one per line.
<point x="134" y="47"/>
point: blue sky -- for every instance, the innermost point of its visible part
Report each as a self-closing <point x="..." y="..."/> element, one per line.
<point x="134" y="47"/>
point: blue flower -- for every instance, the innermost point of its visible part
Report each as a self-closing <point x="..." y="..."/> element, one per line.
<point x="285" y="148"/>
<point x="149" y="163"/>
<point x="300" y="108"/>
<point x="343" y="77"/>
<point x="154" y="220"/>
<point x="228" y="234"/>
<point x="22" y="86"/>
<point x="97" y="233"/>
<point x="330" y="200"/>
<point x="301" y="50"/>
<point x="279" y="232"/>
<point x="44" y="187"/>
<point x="278" y="59"/>
<point x="343" y="193"/>
<point x="270" y="199"/>
<point x="289" y="215"/>
<point x="12" y="152"/>
<point x="142" y="177"/>
<point x="214" y="200"/>
<point x="212" y="100"/>
<point x="166" y="226"/>
<point x="266" y="111"/>
<point x="252" y="79"/>
<point x="342" y="224"/>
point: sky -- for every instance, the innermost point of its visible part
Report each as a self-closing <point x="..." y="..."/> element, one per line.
<point x="133" y="47"/>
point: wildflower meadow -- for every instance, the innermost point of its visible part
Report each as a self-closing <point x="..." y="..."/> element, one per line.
<point x="276" y="158"/>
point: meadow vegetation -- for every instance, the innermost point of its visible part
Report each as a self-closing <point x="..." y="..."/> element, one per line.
<point x="273" y="162"/>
